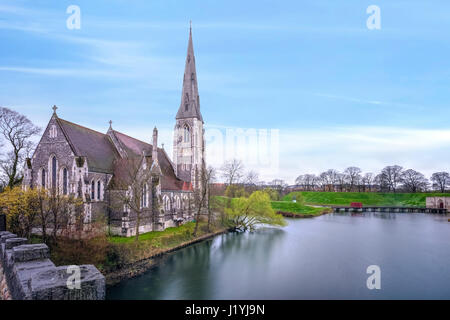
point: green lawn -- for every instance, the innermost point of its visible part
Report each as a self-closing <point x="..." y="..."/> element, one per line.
<point x="156" y="238"/>
<point x="367" y="198"/>
<point x="289" y="206"/>
<point x="286" y="206"/>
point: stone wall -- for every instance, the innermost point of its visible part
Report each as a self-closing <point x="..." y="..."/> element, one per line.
<point x="27" y="273"/>
<point x="435" y="202"/>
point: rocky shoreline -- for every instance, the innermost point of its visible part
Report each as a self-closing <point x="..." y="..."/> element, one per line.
<point x="139" y="267"/>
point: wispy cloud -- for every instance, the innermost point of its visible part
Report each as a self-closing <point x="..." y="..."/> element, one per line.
<point x="370" y="102"/>
<point x="370" y="148"/>
<point x="64" y="72"/>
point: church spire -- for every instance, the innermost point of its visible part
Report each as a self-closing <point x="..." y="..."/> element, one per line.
<point x="190" y="100"/>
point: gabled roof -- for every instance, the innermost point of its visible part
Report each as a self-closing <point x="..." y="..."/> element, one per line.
<point x="96" y="146"/>
<point x="132" y="146"/>
<point x="137" y="148"/>
<point x="190" y="99"/>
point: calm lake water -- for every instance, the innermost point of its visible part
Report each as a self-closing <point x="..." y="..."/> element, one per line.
<point x="320" y="258"/>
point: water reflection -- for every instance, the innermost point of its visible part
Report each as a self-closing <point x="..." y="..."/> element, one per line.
<point x="243" y="243"/>
<point x="374" y="214"/>
<point x="325" y="257"/>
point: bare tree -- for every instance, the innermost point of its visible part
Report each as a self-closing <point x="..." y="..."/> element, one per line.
<point x="322" y="181"/>
<point x="210" y="177"/>
<point x="392" y="177"/>
<point x="368" y="180"/>
<point x="332" y="178"/>
<point x="278" y="184"/>
<point x="414" y="181"/>
<point x="252" y="178"/>
<point x="328" y="179"/>
<point x="341" y="180"/>
<point x="201" y="195"/>
<point x="232" y="171"/>
<point x="133" y="176"/>
<point x="353" y="174"/>
<point x="310" y="182"/>
<point x="441" y="180"/>
<point x="17" y="130"/>
<point x="306" y="181"/>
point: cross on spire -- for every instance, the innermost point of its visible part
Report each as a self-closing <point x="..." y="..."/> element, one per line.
<point x="54" y="109"/>
<point x="110" y="124"/>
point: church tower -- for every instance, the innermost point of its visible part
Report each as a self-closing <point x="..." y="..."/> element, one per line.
<point x="188" y="144"/>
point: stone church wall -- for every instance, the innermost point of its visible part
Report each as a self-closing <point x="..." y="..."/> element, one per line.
<point x="49" y="146"/>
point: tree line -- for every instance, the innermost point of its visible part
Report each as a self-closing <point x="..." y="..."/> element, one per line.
<point x="391" y="179"/>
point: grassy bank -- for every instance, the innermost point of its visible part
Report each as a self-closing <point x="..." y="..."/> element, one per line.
<point x="297" y="209"/>
<point x="124" y="251"/>
<point x="161" y="239"/>
<point x="127" y="258"/>
<point x="367" y="198"/>
<point x="287" y="206"/>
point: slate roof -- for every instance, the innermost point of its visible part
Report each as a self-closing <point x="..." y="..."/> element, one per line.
<point x="132" y="146"/>
<point x="102" y="155"/>
<point x="96" y="146"/>
<point x="135" y="148"/>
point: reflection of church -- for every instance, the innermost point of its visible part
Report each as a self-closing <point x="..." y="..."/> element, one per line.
<point x="438" y="202"/>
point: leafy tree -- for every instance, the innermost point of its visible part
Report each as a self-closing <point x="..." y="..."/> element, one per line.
<point x="235" y="191"/>
<point x="273" y="194"/>
<point x="41" y="209"/>
<point x="298" y="197"/>
<point x="246" y="213"/>
<point x="22" y="210"/>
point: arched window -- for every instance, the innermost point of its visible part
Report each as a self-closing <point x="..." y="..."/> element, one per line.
<point x="53" y="132"/>
<point x="192" y="76"/>
<point x="186" y="133"/>
<point x="178" y="201"/>
<point x="64" y="181"/>
<point x="166" y="203"/>
<point x="92" y="190"/>
<point x="144" y="196"/>
<point x="54" y="172"/>
<point x="186" y="106"/>
<point x="98" y="189"/>
<point x="43" y="178"/>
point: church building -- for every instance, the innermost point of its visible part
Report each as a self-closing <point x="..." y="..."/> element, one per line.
<point x="108" y="169"/>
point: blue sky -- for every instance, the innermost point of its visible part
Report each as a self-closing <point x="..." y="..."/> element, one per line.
<point x="338" y="93"/>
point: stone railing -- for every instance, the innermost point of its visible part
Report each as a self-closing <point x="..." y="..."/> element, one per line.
<point x="27" y="273"/>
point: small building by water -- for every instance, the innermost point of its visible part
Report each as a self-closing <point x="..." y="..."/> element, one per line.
<point x="438" y="202"/>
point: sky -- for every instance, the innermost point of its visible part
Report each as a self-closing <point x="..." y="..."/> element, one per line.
<point x="304" y="86"/>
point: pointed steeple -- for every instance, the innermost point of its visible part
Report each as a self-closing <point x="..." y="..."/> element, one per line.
<point x="190" y="100"/>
